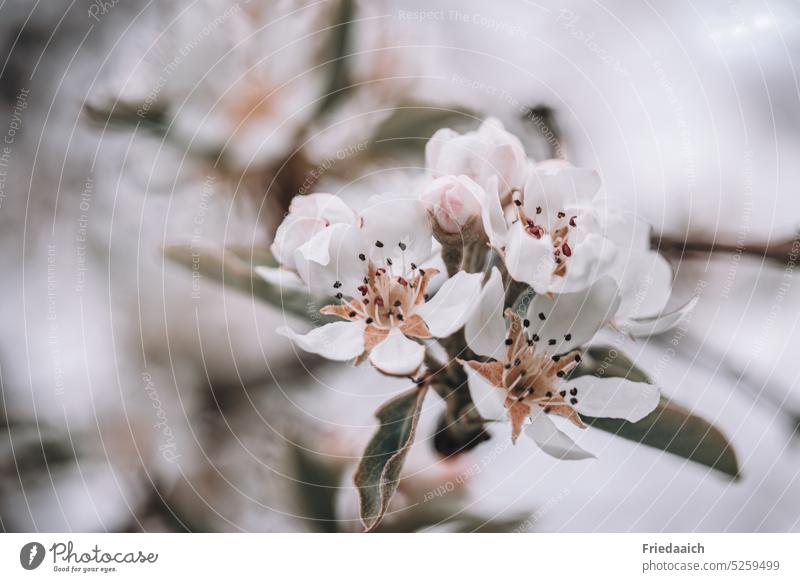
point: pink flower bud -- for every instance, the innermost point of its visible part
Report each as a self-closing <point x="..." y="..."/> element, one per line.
<point x="453" y="201"/>
<point x="489" y="151"/>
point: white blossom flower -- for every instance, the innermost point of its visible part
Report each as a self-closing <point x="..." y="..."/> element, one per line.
<point x="373" y="269"/>
<point x="550" y="238"/>
<point x="527" y="378"/>
<point x="488" y="152"/>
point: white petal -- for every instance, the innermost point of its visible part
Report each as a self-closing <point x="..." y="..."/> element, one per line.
<point x="488" y="399"/>
<point x="433" y="149"/>
<point x="340" y="341"/>
<point x="344" y="247"/>
<point x="397" y="355"/>
<point x="659" y="323"/>
<point x="576" y="316"/>
<point x="592" y="258"/>
<point x="317" y="247"/>
<point x="530" y="260"/>
<point x="390" y="223"/>
<point x="452" y="304"/>
<point x="485" y="329"/>
<point x="614" y="397"/>
<point x="645" y="282"/>
<point x="292" y="233"/>
<point x="494" y="221"/>
<point x="551" y="440"/>
<point x="556" y="189"/>
<point x="281" y="278"/>
<point x="625" y="229"/>
<point x="328" y="208"/>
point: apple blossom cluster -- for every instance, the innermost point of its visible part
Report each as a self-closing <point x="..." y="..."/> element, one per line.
<point x="536" y="263"/>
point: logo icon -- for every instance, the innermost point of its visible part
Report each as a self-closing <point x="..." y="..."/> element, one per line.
<point x="31" y="555"/>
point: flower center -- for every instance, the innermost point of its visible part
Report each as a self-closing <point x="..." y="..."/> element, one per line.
<point x="389" y="294"/>
<point x="534" y="377"/>
<point x="559" y="234"/>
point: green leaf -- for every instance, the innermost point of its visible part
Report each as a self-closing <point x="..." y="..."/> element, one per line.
<point x="674" y="429"/>
<point x="378" y="473"/>
<point x="411" y="125"/>
<point x="233" y="267"/>
<point x="669" y="427"/>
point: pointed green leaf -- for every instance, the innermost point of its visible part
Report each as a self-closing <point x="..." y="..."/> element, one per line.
<point x="669" y="427"/>
<point x="378" y="473"/>
<point x="233" y="267"/>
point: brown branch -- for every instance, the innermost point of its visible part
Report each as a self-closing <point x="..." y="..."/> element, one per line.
<point x="780" y="251"/>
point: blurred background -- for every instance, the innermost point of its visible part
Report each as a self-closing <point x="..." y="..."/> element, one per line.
<point x="139" y="395"/>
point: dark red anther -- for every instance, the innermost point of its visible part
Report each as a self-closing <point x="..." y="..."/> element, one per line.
<point x="402" y="281"/>
<point x="567" y="250"/>
<point x="363" y="289"/>
<point x="572" y="221"/>
<point x="379" y="301"/>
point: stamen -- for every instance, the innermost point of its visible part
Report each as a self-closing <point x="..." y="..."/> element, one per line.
<point x="568" y="336"/>
<point x="362" y="256"/>
<point x="402" y="245"/>
<point x="379" y="244"/>
<point x="542" y="316"/>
